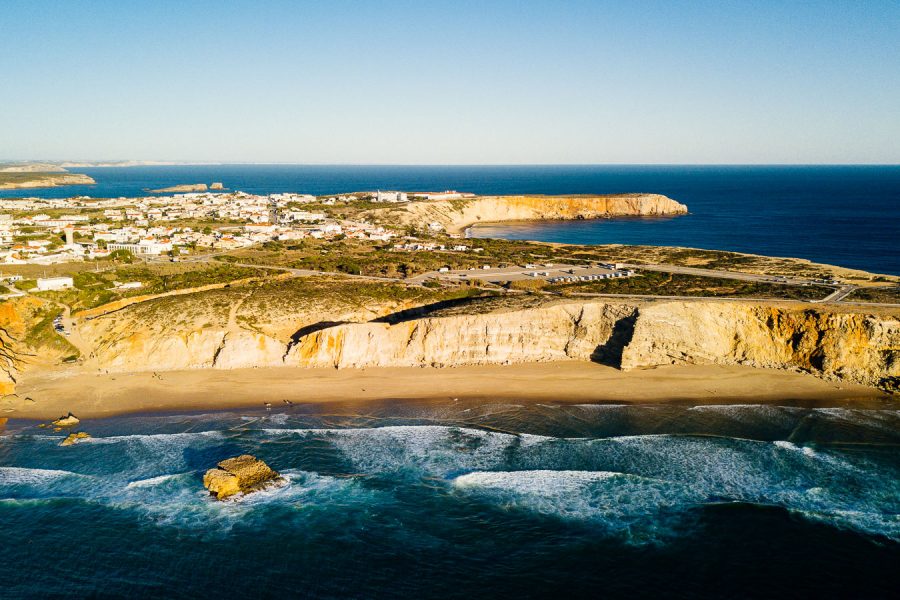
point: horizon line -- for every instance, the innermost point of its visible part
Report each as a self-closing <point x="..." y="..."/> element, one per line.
<point x="169" y="163"/>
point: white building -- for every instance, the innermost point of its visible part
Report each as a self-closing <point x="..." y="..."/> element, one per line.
<point x="144" y="247"/>
<point x="54" y="283"/>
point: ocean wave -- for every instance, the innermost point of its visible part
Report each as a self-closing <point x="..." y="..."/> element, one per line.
<point x="152" y="481"/>
<point x="29" y="476"/>
<point x="640" y="510"/>
<point x="154" y="438"/>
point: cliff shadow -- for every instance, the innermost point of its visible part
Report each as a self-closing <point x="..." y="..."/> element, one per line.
<point x="312" y="329"/>
<point x="411" y="314"/>
<point x="610" y="352"/>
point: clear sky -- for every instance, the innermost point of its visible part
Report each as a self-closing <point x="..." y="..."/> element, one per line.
<point x="333" y="81"/>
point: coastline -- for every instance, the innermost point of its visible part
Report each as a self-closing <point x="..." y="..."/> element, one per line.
<point x="568" y="382"/>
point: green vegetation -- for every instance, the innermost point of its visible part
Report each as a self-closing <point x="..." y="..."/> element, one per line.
<point x="885" y="295"/>
<point x="13" y="179"/>
<point x="669" y="284"/>
<point x="42" y="335"/>
<point x="379" y="259"/>
<point x="95" y="288"/>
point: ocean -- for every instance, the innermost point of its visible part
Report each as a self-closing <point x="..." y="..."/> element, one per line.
<point x="842" y="215"/>
<point x="457" y="499"/>
<point x="490" y="499"/>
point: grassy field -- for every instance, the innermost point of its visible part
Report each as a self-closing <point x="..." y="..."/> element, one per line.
<point x="671" y="284"/>
<point x="886" y="295"/>
<point x="96" y="288"/>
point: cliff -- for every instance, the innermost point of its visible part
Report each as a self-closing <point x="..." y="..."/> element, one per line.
<point x="456" y="215"/>
<point x="229" y="331"/>
<point x="834" y="344"/>
<point x="26" y="339"/>
<point x="556" y="332"/>
<point x="13" y="181"/>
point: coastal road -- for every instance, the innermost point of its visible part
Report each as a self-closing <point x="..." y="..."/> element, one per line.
<point x="838" y="294"/>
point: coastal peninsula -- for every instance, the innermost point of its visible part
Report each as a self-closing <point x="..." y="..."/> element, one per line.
<point x="30" y="179"/>
<point x="324" y="295"/>
<point x="456" y="214"/>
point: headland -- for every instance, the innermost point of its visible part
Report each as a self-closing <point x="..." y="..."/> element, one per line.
<point x="231" y="299"/>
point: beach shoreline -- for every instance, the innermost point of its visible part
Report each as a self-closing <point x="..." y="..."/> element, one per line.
<point x="49" y="394"/>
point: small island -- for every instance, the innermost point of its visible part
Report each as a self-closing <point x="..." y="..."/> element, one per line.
<point x="189" y="187"/>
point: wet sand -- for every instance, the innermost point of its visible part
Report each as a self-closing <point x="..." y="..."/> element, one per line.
<point x="50" y="394"/>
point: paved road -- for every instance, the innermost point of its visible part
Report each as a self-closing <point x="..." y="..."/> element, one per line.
<point x="838" y="294"/>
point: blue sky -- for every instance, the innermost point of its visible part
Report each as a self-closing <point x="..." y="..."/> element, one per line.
<point x="451" y="82"/>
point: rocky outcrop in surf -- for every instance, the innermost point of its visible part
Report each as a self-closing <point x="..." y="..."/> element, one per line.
<point x="239" y="475"/>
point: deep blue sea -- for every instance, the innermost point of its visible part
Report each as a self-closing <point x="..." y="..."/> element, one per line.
<point x="490" y="499"/>
<point x="843" y="215"/>
<point x="461" y="500"/>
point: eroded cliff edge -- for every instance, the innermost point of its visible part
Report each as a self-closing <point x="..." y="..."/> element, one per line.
<point x="456" y="215"/>
<point x="855" y="344"/>
<point x="834" y="344"/>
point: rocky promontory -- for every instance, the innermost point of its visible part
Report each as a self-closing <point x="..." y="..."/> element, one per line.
<point x="456" y="215"/>
<point x="23" y="180"/>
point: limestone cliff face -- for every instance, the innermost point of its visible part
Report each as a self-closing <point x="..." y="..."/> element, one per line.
<point x="542" y="334"/>
<point x="833" y="342"/>
<point x="455" y="216"/>
<point x="856" y="346"/>
<point x="21" y="344"/>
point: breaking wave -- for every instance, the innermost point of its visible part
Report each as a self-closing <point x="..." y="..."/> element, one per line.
<point x="638" y="488"/>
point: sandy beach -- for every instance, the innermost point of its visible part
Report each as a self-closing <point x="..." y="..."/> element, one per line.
<point x="51" y="394"/>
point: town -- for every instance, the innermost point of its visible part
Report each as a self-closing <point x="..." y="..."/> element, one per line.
<point x="47" y="231"/>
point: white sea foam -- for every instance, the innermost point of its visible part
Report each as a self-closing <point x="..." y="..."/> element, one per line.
<point x="26" y="476"/>
<point x="638" y="509"/>
<point x="152" y="481"/>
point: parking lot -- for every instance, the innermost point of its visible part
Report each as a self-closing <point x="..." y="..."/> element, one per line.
<point x="550" y="272"/>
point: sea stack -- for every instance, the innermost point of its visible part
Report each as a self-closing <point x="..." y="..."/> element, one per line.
<point x="69" y="420"/>
<point x="240" y="475"/>
<point x="74" y="438"/>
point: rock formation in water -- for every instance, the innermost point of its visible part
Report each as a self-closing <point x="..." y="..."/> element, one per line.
<point x="240" y="475"/>
<point x="216" y="185"/>
<point x="74" y="438"/>
<point x="69" y="420"/>
<point x="181" y="189"/>
<point x="456" y="215"/>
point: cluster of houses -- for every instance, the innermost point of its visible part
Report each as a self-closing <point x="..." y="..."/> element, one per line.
<point x="414" y="246"/>
<point x="144" y="226"/>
